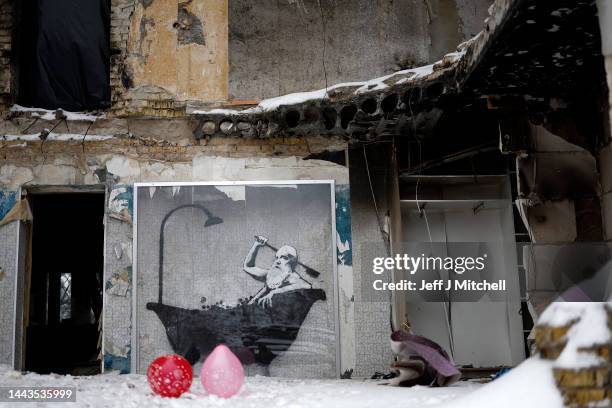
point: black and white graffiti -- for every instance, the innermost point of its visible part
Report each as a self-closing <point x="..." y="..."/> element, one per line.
<point x="275" y="286"/>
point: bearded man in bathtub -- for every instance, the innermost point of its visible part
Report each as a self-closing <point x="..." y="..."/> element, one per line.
<point x="280" y="277"/>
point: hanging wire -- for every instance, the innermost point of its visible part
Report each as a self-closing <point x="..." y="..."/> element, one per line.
<point x="378" y="219"/>
<point x="29" y="126"/>
<point x="84" y="137"/>
<point x="422" y="211"/>
<point x="324" y="26"/>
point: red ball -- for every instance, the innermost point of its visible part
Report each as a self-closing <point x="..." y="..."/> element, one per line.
<point x="170" y="375"/>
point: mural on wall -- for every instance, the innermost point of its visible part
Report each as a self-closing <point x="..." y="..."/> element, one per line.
<point x="249" y="266"/>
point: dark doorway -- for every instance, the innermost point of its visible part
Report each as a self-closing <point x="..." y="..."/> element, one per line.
<point x="65" y="300"/>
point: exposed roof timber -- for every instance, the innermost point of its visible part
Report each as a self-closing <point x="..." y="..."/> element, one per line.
<point x="412" y="101"/>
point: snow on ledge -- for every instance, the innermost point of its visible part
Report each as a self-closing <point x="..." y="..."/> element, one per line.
<point x="375" y="84"/>
<point x="56" y="137"/>
<point x="46" y="114"/>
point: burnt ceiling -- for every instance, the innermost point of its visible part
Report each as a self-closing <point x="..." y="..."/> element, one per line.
<point x="545" y="48"/>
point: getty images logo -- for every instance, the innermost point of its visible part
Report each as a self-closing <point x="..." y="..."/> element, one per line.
<point x="413" y="264"/>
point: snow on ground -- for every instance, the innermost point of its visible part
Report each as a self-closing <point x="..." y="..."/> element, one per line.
<point x="126" y="391"/>
<point x="529" y="385"/>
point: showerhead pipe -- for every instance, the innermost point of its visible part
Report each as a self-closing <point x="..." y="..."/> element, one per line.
<point x="210" y="221"/>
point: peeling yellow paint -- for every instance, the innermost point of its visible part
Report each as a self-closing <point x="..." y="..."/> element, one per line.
<point x="191" y="71"/>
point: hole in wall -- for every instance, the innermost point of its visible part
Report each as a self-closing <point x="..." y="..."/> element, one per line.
<point x="369" y="106"/>
<point x="292" y="118"/>
<point x="412" y="96"/>
<point x="329" y="118"/>
<point x="346" y="115"/>
<point x="226" y="126"/>
<point x="389" y="103"/>
<point x="311" y="114"/>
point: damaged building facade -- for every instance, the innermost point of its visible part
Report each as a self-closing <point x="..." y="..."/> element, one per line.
<point x="505" y="139"/>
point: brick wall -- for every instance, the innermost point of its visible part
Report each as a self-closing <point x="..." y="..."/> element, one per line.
<point x="121" y="12"/>
<point x="580" y="386"/>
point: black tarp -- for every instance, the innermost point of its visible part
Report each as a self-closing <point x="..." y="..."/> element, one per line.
<point x="64" y="54"/>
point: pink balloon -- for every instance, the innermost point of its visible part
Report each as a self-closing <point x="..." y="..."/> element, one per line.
<point x="222" y="374"/>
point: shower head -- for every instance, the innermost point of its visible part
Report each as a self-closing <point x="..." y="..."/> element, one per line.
<point x="212" y="220"/>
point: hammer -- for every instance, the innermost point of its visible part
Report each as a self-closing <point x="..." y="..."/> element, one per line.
<point x="307" y="269"/>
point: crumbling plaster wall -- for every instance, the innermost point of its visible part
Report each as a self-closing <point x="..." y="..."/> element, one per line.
<point x="180" y="47"/>
<point x="165" y="53"/>
<point x="140" y="155"/>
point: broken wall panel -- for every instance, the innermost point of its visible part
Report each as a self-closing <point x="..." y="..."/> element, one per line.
<point x="8" y="276"/>
<point x="117" y="312"/>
